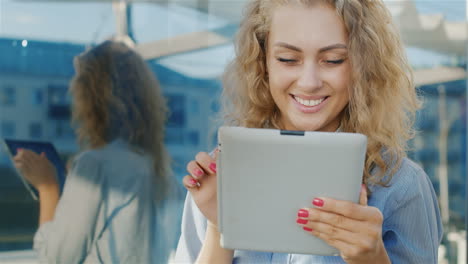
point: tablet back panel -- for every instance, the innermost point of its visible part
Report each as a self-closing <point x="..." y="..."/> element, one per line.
<point x="264" y="178"/>
<point x="38" y="147"/>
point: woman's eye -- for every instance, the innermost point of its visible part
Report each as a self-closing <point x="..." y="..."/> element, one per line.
<point x="286" y="60"/>
<point x="335" y="61"/>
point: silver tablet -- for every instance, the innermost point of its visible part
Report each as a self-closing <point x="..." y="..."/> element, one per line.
<point x="265" y="176"/>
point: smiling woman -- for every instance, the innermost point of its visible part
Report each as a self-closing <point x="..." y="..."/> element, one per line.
<point x="331" y="65"/>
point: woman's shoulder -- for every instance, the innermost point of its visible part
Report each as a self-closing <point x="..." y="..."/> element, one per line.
<point x="115" y="166"/>
<point x="115" y="158"/>
<point x="408" y="182"/>
<point x="409" y="172"/>
<point x="115" y="151"/>
<point x="87" y="158"/>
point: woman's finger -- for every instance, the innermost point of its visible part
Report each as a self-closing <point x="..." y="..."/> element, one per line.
<point x="190" y="183"/>
<point x="214" y="153"/>
<point x="18" y="157"/>
<point x="363" y="195"/>
<point x="35" y="157"/>
<point x="19" y="154"/>
<point x="23" y="167"/>
<point x="27" y="157"/>
<point x="340" y="221"/>
<point x="19" y="164"/>
<point x="346" y="208"/>
<point x="195" y="170"/>
<point x="206" y="162"/>
<point x="332" y="231"/>
<point x="346" y="249"/>
<point x="348" y="243"/>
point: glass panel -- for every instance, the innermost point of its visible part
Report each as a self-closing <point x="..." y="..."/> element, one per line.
<point x="440" y="146"/>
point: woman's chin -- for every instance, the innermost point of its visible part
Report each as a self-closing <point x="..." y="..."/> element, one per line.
<point x="307" y="127"/>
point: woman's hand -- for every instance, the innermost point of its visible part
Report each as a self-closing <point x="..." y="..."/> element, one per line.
<point x="40" y="172"/>
<point x="37" y="169"/>
<point x="201" y="182"/>
<point x="354" y="229"/>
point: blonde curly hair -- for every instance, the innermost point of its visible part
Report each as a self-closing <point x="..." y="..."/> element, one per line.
<point x="383" y="99"/>
<point x="116" y="95"/>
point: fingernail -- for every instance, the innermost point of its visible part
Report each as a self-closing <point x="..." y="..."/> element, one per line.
<point x="198" y="172"/>
<point x="193" y="182"/>
<point x="303" y="213"/>
<point x="213" y="166"/>
<point x="307" y="229"/>
<point x="301" y="221"/>
<point x="317" y="202"/>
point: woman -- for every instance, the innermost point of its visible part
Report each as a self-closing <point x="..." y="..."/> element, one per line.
<point x="325" y="65"/>
<point x="112" y="206"/>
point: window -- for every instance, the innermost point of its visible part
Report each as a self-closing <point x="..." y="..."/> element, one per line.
<point x="63" y="129"/>
<point x="57" y="94"/>
<point x="215" y="106"/>
<point x="176" y="104"/>
<point x="35" y="130"/>
<point x="37" y="97"/>
<point x="59" y="102"/>
<point x="8" y="96"/>
<point x="193" y="138"/>
<point x="194" y="107"/>
<point x="8" y="129"/>
<point x="174" y="136"/>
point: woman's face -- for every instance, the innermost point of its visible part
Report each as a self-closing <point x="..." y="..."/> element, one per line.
<point x="308" y="67"/>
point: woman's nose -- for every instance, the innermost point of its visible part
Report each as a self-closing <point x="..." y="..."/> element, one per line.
<point x="310" y="78"/>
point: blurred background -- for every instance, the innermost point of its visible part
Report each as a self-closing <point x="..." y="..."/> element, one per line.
<point x="187" y="44"/>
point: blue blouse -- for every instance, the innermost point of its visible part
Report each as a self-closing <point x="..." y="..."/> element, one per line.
<point x="412" y="228"/>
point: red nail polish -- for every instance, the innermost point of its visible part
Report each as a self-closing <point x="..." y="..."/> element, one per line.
<point x="307" y="229"/>
<point x="303" y="213"/>
<point x="317" y="202"/>
<point x="213" y="166"/>
<point x="193" y="182"/>
<point x="301" y="221"/>
<point x="198" y="172"/>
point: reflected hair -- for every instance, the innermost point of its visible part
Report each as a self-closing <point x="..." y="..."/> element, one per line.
<point x="117" y="96"/>
<point x="383" y="99"/>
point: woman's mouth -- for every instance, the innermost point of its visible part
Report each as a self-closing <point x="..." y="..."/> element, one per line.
<point x="309" y="105"/>
<point x="305" y="102"/>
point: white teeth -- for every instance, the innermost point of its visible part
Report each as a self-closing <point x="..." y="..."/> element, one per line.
<point x="308" y="102"/>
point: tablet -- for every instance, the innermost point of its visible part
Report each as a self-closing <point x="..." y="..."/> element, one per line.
<point x="37" y="146"/>
<point x="265" y="176"/>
